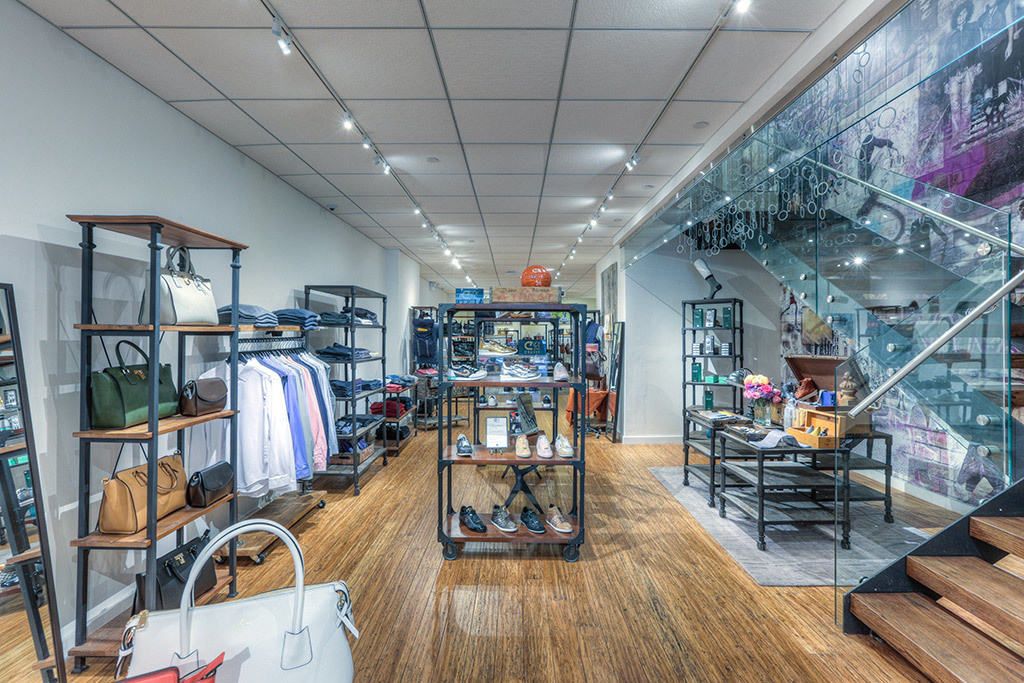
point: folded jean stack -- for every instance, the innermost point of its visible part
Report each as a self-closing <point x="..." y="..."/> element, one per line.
<point x="343" y="389"/>
<point x="339" y="352"/>
<point x="345" y="424"/>
<point x="306" y="320"/>
<point x="363" y="316"/>
<point x="248" y="314"/>
<point x="333" y="318"/>
<point x="402" y="380"/>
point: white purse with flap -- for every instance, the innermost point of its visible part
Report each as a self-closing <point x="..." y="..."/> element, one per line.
<point x="291" y="634"/>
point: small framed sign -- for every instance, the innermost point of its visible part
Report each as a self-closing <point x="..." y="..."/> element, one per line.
<point x="497" y="433"/>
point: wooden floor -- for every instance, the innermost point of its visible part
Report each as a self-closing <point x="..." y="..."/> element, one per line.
<point x="652" y="598"/>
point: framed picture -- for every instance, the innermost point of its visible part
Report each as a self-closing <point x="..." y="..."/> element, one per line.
<point x="10" y="398"/>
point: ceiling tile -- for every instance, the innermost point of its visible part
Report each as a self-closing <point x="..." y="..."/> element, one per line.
<point x="499" y="13"/>
<point x="522" y="231"/>
<point x="243" y="62"/>
<point x="506" y="204"/>
<point x="223" y="119"/>
<point x="380" y="205"/>
<point x="748" y="57"/>
<point x="676" y="125"/>
<point x="800" y="14"/>
<point x="374" y="233"/>
<point x="343" y="206"/>
<point x="310" y="185"/>
<point x="359" y="220"/>
<point x="638" y="185"/>
<point x="506" y="158"/>
<point x="375" y="63"/>
<point x="197" y="13"/>
<point x="79" y="13"/>
<point x="319" y="13"/>
<point x="462" y="231"/>
<point x="563" y="220"/>
<point x="404" y="219"/>
<point x="578" y="185"/>
<point x="629" y="64"/>
<point x="294" y="121"/>
<point x="375" y="184"/>
<point x="509" y="220"/>
<point x="504" y="121"/>
<point x="406" y="158"/>
<point x="605" y="122"/>
<point x="488" y="184"/>
<point x="275" y="158"/>
<point x="411" y="121"/>
<point x="665" y="159"/>
<point x="626" y="205"/>
<point x="504" y="64"/>
<point x="588" y="158"/>
<point x="440" y="184"/>
<point x="445" y="205"/>
<point x="336" y="157"/>
<point x="586" y="205"/>
<point x="648" y="14"/>
<point x="464" y="219"/>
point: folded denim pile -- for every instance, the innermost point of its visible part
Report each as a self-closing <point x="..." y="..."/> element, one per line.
<point x="363" y="315"/>
<point x="248" y="314"/>
<point x="345" y="424"/>
<point x="306" y="320"/>
<point x="343" y="389"/>
<point x="338" y="351"/>
<point x="361" y="446"/>
<point x="402" y="380"/>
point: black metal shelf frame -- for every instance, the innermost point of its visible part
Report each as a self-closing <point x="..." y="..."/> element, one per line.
<point x="444" y="407"/>
<point x="351" y="294"/>
<point x="153" y="335"/>
<point x="690" y="335"/>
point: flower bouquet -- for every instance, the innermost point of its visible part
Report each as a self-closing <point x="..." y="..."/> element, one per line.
<point x="761" y="393"/>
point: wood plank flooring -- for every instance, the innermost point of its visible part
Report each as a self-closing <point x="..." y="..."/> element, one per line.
<point x="652" y="598"/>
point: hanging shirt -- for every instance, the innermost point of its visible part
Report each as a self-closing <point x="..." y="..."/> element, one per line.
<point x="295" y="420"/>
<point x="324" y="397"/>
<point x="278" y="451"/>
<point x="315" y="419"/>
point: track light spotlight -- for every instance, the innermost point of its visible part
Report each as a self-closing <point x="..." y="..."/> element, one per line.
<point x="283" y="40"/>
<point x="417" y="210"/>
<point x="349" y="121"/>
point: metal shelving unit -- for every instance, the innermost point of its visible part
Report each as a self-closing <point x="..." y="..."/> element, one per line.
<point x="692" y="334"/>
<point x="449" y="533"/>
<point x="160" y="233"/>
<point x="351" y="294"/>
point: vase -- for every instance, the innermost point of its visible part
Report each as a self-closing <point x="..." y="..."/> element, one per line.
<point x="763" y="414"/>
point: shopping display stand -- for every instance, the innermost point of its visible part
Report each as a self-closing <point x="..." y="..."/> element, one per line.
<point x="397" y="423"/>
<point x="105" y="641"/>
<point x="360" y="462"/>
<point x="449" y="532"/>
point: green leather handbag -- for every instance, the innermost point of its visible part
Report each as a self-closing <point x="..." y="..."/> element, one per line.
<point x="119" y="396"/>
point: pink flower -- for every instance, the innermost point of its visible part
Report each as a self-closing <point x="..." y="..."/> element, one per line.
<point x="777" y="399"/>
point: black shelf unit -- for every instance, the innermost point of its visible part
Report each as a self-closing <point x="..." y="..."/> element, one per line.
<point x="449" y="533"/>
<point x="732" y="334"/>
<point x="351" y="295"/>
<point x="158" y="232"/>
<point x="396" y="423"/>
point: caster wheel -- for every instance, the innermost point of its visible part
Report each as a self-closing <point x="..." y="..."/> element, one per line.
<point x="357" y="491"/>
<point x="259" y="559"/>
<point x="571" y="553"/>
<point x="321" y="504"/>
<point x="711" y="503"/>
<point x="845" y="545"/>
<point x="450" y="551"/>
<point x="888" y="519"/>
<point x="762" y="546"/>
<point x="721" y="513"/>
<point x="686" y="482"/>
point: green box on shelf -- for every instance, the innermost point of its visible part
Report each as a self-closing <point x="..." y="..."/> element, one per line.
<point x="711" y="378"/>
<point x="696" y="372"/>
<point x="698" y="317"/>
<point x="727" y="316"/>
<point x="709" y="400"/>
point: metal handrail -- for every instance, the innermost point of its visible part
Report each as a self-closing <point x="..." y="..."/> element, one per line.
<point x="944" y="339"/>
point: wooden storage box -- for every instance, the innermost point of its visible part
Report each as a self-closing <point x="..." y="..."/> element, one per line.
<point x="526" y="295"/>
<point x="838" y="426"/>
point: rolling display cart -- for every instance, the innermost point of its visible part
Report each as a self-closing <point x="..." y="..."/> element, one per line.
<point x="360" y="461"/>
<point x="449" y="532"/>
<point x="105" y="641"/>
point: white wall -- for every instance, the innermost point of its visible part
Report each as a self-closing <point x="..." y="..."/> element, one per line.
<point x="80" y="137"/>
<point x="654" y="288"/>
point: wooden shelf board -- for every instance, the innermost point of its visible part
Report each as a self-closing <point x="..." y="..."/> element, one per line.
<point x="5" y="338"/>
<point x="13" y="448"/>
<point x="172" y="233"/>
<point x="513" y="408"/>
<point x="483" y="456"/>
<point x="276" y="328"/>
<point x="164" y="527"/>
<point x="345" y="469"/>
<point x="208" y="329"/>
<point x="167" y="425"/>
<point x="460" y="534"/>
<point x="105" y="641"/>
<point x="6" y="360"/>
<point x="286" y="510"/>
<point x="30" y="554"/>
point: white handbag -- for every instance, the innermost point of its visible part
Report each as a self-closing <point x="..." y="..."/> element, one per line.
<point x="185" y="298"/>
<point x="291" y="634"/>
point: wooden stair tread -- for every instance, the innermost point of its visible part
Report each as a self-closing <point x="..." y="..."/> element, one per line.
<point x="987" y="591"/>
<point x="940" y="645"/>
<point x="1016" y="360"/>
<point x="1005" y="533"/>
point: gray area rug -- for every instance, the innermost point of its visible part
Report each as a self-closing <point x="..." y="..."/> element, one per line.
<point x="797" y="555"/>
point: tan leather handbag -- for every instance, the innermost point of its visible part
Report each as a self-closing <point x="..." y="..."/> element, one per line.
<point x="123" y="508"/>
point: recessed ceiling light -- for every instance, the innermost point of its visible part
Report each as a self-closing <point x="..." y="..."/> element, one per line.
<point x="701" y="124"/>
<point x="432" y="160"/>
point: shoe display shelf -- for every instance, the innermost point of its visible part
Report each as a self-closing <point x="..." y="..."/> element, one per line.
<point x="356" y="463"/>
<point x="451" y="534"/>
<point x="158" y="233"/>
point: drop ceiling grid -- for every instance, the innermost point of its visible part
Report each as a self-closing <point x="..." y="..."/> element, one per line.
<point x="559" y="195"/>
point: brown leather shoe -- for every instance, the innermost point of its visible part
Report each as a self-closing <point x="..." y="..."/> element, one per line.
<point x="807" y="391"/>
<point x="556" y="520"/>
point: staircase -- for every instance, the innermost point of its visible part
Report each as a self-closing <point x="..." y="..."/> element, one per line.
<point x="947" y="607"/>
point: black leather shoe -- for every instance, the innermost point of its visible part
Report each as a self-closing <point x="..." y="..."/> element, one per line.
<point x="463" y="447"/>
<point x="531" y="520"/>
<point x="469" y="519"/>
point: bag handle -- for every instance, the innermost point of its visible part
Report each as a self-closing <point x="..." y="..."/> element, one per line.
<point x="120" y="358"/>
<point x="143" y="479"/>
<point x="173" y="253"/>
<point x="271" y="527"/>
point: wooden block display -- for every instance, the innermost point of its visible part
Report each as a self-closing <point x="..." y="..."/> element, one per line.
<point x="526" y="295"/>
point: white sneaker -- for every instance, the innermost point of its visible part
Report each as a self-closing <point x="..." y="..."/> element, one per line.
<point x="544" y="447"/>
<point x="492" y="401"/>
<point x="560" y="373"/>
<point x="563" y="447"/>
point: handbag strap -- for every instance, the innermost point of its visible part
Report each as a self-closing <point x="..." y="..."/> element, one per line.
<point x="143" y="478"/>
<point x="186" y="255"/>
<point x="120" y="358"/>
<point x="233" y="531"/>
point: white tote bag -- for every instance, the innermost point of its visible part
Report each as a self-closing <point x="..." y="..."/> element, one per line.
<point x="291" y="634"/>
<point x="185" y="298"/>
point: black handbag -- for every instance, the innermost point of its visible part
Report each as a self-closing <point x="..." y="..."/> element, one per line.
<point x="209" y="485"/>
<point x="172" y="572"/>
<point x="203" y="396"/>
